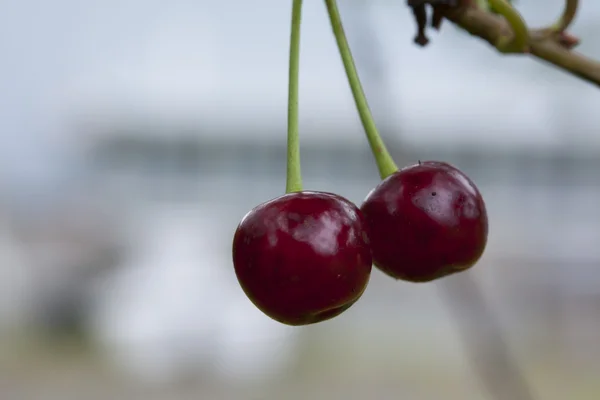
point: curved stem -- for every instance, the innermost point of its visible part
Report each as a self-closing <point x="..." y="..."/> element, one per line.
<point x="518" y="43"/>
<point x="566" y="18"/>
<point x="294" y="174"/>
<point x="385" y="162"/>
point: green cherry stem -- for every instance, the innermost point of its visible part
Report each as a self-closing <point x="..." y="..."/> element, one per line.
<point x="567" y="17"/>
<point x="385" y="162"/>
<point x="294" y="174"/>
<point x="519" y="42"/>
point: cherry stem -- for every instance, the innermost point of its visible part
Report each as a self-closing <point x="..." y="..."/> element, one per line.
<point x="567" y="17"/>
<point x="294" y="174"/>
<point x="519" y="41"/>
<point x="385" y="162"/>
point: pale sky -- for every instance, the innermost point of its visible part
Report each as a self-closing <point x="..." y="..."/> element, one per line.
<point x="226" y="62"/>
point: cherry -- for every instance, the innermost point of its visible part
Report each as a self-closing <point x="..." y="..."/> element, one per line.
<point x="303" y="257"/>
<point x="426" y="221"/>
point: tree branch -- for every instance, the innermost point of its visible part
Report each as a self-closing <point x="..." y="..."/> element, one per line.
<point x="542" y="45"/>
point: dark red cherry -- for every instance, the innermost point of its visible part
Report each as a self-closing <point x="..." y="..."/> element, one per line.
<point x="303" y="257"/>
<point x="426" y="221"/>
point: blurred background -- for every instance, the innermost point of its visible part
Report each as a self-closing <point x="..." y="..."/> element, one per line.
<point x="136" y="134"/>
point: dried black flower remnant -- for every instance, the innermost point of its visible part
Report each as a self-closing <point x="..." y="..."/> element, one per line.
<point x="420" y="14"/>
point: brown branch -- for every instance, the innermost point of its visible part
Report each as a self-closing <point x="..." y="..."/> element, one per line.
<point x="542" y="45"/>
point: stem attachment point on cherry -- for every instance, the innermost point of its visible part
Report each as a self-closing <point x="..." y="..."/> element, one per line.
<point x="293" y="173"/>
<point x="385" y="162"/>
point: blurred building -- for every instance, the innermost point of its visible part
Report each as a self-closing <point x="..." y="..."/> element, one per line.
<point x="172" y="131"/>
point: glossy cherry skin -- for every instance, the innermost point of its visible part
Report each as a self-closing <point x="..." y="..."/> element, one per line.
<point x="303" y="257"/>
<point x="426" y="221"/>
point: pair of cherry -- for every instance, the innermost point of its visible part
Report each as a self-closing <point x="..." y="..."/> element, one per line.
<point x="307" y="256"/>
